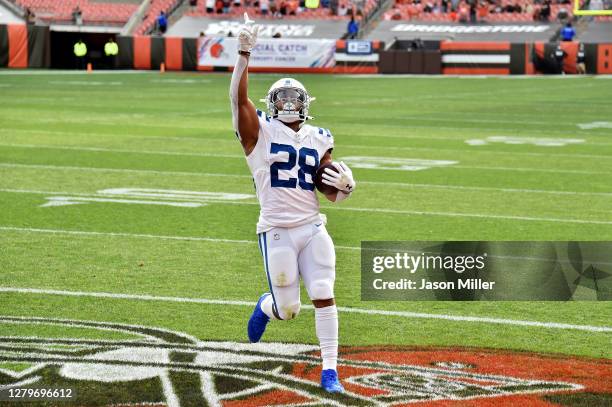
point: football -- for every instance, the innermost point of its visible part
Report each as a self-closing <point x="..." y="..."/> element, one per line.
<point x="321" y="186"/>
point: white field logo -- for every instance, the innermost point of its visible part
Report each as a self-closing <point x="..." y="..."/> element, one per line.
<point x="145" y="196"/>
<point x="390" y="163"/>
<point x="536" y="141"/>
<point x="163" y="367"/>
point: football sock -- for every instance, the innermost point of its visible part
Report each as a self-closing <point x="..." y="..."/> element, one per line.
<point x="326" y="321"/>
<point x="266" y="306"/>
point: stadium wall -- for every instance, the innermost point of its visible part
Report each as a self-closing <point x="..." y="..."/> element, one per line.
<point x="24" y="46"/>
<point x="146" y="52"/>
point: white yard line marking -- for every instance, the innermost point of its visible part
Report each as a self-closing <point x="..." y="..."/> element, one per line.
<point x="473" y="188"/>
<point x="377" y="183"/>
<point x="99" y="169"/>
<point x="470" y="215"/>
<point x="429" y="213"/>
<point x="523" y="169"/>
<point x="122" y="170"/>
<point x="71" y="200"/>
<point x="240" y="156"/>
<point x="118" y="234"/>
<point x="217" y="140"/>
<point x="85" y="83"/>
<point x="140" y="235"/>
<point x="405" y="314"/>
<point x="116" y="150"/>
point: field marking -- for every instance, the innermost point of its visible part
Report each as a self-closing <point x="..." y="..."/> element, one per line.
<point x="117" y="150"/>
<point x="435" y="213"/>
<point x="122" y="170"/>
<point x="216" y="174"/>
<point x="395" y="163"/>
<point x="377" y="183"/>
<point x="54" y="201"/>
<point x="142" y="196"/>
<point x="215" y="240"/>
<point x="241" y="156"/>
<point x="141" y="235"/>
<point x="120" y="234"/>
<point x="473" y="188"/>
<point x="405" y="314"/>
<point x="515" y="140"/>
<point x="85" y="83"/>
<point x="227" y="140"/>
<point x="595" y="125"/>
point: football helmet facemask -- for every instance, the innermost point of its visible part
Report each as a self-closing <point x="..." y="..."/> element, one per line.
<point x="288" y="101"/>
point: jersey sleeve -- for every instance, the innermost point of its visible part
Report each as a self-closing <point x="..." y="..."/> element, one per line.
<point x="327" y="138"/>
<point x="264" y="119"/>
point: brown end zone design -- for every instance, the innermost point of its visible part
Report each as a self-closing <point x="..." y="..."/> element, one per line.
<point x="163" y="367"/>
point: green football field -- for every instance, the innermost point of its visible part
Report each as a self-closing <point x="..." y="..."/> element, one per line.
<point x="125" y="198"/>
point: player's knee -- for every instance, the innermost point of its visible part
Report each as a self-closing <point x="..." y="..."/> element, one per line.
<point x="322" y="289"/>
<point x="323" y="246"/>
<point x="282" y="266"/>
<point x="289" y="311"/>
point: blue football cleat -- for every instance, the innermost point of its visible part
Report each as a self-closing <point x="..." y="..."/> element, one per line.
<point x="258" y="321"/>
<point x="330" y="382"/>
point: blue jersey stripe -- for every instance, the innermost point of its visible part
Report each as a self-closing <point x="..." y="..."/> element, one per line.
<point x="265" y="254"/>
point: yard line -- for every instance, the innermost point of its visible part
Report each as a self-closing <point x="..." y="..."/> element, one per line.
<point x="122" y="170"/>
<point x="378" y="183"/>
<point x="241" y="156"/>
<point x="523" y="169"/>
<point x="442" y="214"/>
<point x="116" y="150"/>
<point x="473" y="188"/>
<point x="404" y="314"/>
<point x="140" y="235"/>
<point x="375" y="183"/>
<point x="232" y="140"/>
<point x="472" y="215"/>
<point x="119" y="234"/>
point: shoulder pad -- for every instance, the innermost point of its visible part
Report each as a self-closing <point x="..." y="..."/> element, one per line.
<point x="263" y="115"/>
<point x="325" y="132"/>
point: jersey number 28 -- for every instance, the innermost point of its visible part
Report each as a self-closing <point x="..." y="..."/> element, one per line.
<point x="305" y="167"/>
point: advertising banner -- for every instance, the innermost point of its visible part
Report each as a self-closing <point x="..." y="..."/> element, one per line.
<point x="269" y="53"/>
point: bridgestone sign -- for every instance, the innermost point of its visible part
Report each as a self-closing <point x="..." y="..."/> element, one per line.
<point x="470" y="29"/>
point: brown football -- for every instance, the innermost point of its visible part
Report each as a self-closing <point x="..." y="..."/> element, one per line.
<point x="322" y="187"/>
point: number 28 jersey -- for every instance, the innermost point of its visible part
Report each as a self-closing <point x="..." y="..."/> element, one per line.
<point x="284" y="164"/>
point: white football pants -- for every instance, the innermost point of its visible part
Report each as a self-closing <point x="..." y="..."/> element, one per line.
<point x="305" y="251"/>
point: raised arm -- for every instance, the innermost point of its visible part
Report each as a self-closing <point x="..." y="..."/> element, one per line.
<point x="244" y="115"/>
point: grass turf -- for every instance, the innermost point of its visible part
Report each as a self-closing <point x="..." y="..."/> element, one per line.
<point x="77" y="134"/>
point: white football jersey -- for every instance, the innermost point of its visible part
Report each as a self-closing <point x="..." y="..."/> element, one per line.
<point x="284" y="164"/>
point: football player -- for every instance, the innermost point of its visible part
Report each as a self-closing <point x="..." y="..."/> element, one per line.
<point x="283" y="154"/>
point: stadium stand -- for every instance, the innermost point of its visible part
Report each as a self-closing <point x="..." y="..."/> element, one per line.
<point x="290" y="10"/>
<point x="485" y="11"/>
<point x="93" y="12"/>
<point x="148" y="24"/>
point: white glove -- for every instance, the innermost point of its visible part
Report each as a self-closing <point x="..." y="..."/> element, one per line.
<point x="342" y="179"/>
<point x="247" y="37"/>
